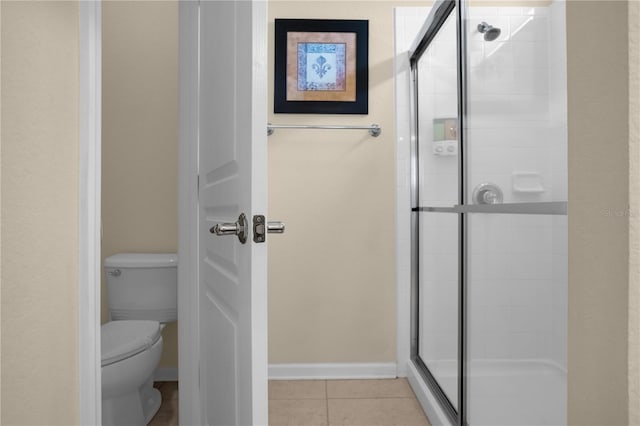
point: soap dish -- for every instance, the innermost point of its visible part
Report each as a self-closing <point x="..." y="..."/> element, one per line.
<point x="527" y="182"/>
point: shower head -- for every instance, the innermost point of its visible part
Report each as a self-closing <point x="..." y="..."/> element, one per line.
<point x="490" y="32"/>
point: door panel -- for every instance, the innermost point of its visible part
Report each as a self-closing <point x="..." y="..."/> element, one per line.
<point x="222" y="403"/>
<point x="438" y="304"/>
<point x="438" y="165"/>
<point x="231" y="301"/>
<point x="516" y="145"/>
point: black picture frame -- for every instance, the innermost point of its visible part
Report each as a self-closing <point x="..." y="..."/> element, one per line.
<point x="347" y="93"/>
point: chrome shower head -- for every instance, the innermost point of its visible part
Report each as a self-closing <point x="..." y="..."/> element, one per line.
<point x="490" y="32"/>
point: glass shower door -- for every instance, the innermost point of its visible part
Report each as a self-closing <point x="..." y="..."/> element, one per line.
<point x="489" y="211"/>
<point x="438" y="226"/>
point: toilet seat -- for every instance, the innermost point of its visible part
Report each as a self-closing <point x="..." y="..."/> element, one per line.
<point x="124" y="339"/>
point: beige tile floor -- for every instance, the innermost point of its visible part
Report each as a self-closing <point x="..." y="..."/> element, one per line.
<point x="167" y="415"/>
<point x="344" y="403"/>
<point x="324" y="403"/>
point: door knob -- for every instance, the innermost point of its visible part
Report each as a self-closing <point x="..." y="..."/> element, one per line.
<point x="239" y="228"/>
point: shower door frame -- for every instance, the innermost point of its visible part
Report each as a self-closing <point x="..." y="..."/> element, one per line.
<point x="440" y="11"/>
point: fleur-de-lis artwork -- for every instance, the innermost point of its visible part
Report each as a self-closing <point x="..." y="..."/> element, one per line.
<point x="321" y="66"/>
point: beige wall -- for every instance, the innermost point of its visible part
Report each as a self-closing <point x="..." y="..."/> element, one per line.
<point x="39" y="213"/>
<point x="332" y="289"/>
<point x="598" y="183"/>
<point x="140" y="135"/>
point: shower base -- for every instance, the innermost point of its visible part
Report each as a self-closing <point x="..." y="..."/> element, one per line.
<point x="501" y="392"/>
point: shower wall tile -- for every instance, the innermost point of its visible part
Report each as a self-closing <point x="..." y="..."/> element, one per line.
<point x="510" y="11"/>
<point x="482" y="13"/>
<point x="531" y="54"/>
<point x="523" y="345"/>
<point x="445" y="105"/>
<point x="529" y="28"/>
<point x="497" y="345"/>
<point x="530" y="267"/>
<point x="531" y="241"/>
<point x="526" y="292"/>
<point x="409" y="20"/>
<point x="517" y="263"/>
<point x="511" y="293"/>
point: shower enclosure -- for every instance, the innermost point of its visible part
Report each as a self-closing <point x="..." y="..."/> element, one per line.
<point x="488" y="211"/>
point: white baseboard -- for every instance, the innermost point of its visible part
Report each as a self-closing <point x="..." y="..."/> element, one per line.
<point x="332" y="371"/>
<point x="166" y="375"/>
<point x="310" y="371"/>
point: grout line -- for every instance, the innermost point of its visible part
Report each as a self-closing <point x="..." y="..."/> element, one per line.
<point x="373" y="397"/>
<point x="326" y="395"/>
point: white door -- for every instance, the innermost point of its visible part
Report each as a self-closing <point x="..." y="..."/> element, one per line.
<point x="230" y="307"/>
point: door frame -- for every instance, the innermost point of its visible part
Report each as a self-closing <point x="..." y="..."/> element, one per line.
<point x="188" y="329"/>
<point x="89" y="212"/>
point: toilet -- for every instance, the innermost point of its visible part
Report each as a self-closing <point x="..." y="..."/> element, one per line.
<point x="142" y="295"/>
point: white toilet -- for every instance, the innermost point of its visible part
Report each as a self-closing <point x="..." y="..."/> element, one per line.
<point x="142" y="293"/>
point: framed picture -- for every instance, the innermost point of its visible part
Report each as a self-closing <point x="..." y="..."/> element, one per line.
<point x="321" y="66"/>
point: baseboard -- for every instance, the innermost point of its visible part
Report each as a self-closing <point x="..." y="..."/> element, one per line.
<point x="165" y="374"/>
<point x="332" y="371"/>
<point x="309" y="371"/>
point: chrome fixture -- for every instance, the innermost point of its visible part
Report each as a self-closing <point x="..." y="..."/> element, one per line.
<point x="239" y="228"/>
<point x="260" y="230"/>
<point x="490" y="32"/>
<point x="374" y="130"/>
<point x="487" y="193"/>
<point x="275" y="227"/>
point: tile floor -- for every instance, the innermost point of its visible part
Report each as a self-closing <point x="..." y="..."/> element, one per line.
<point x="344" y="403"/>
<point x="324" y="403"/>
<point x="167" y="415"/>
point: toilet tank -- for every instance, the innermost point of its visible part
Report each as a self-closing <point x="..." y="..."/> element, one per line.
<point x="142" y="286"/>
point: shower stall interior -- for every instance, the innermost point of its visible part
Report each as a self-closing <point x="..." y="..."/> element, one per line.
<point x="488" y="186"/>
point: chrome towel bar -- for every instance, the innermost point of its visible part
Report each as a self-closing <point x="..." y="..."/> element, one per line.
<point x="374" y="129"/>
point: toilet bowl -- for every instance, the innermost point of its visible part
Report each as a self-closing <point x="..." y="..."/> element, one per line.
<point x="142" y="296"/>
<point x="131" y="352"/>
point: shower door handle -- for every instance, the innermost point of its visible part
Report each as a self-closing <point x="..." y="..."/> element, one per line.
<point x="239" y="228"/>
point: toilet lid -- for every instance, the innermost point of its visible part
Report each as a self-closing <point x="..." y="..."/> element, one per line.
<point x="123" y="339"/>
